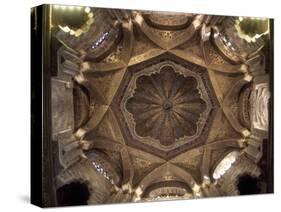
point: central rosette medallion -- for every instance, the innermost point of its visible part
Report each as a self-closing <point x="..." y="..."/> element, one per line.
<point x="165" y="105"/>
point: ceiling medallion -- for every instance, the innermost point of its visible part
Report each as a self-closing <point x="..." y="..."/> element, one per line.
<point x="165" y="105"/>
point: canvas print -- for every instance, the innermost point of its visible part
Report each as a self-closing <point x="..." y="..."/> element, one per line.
<point x="143" y="106"/>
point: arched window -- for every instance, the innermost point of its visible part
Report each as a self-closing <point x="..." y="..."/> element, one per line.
<point x="225" y="165"/>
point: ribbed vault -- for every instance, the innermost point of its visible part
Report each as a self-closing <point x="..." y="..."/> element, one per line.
<point x="151" y="106"/>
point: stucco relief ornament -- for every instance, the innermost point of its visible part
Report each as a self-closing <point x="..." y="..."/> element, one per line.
<point x="166" y="106"/>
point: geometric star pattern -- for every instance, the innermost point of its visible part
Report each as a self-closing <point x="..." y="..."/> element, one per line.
<point x="157" y="106"/>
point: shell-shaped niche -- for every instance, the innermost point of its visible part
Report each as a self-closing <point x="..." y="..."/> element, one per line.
<point x="166" y="105"/>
